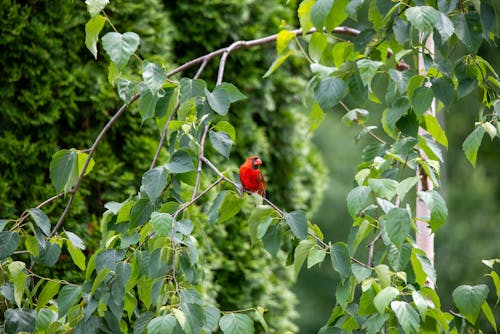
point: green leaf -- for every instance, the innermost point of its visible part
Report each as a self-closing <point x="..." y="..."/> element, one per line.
<point x="356" y="115"/>
<point x="259" y="216"/>
<point x="352" y="9"/>
<point x="100" y="278"/>
<point x="367" y="69"/>
<point x="120" y="47"/>
<point x="384" y="188"/>
<point x="358" y="199"/>
<point x="154" y="182"/>
<point x="192" y="88"/>
<point x="329" y="92"/>
<point x="147" y="104"/>
<point x="304" y="14"/>
<point x="76" y="255"/>
<point x="277" y="63"/>
<point x="444" y="27"/>
<point x="18" y="320"/>
<point x="49" y="254"/>
<point x="384" y="298"/>
<point x="140" y="213"/>
<point x="221" y="141"/>
<point x="360" y="273"/>
<point x="342" y="51"/>
<point x="94" y="7"/>
<point x="81" y="158"/>
<point x="337" y="14"/>
<point x="232" y="92"/>
<point x="489" y="315"/>
<point x="18" y="278"/>
<point x="397" y="225"/>
<point x="92" y="30"/>
<point x="226" y="127"/>
<point x="316" y="255"/>
<point x="297" y="221"/>
<point x="32" y="245"/>
<point x="48" y="292"/>
<point x="154" y="76"/>
<point x="284" y="37"/>
<point x="437" y="206"/>
<point x="407" y="317"/>
<point x="374" y="323"/>
<point x="300" y="254"/>
<point x="383" y="274"/>
<point x="181" y="163"/>
<point x="259" y="315"/>
<point x="218" y="100"/>
<point x="230" y="206"/>
<point x="44" y="318"/>
<point x="468" y="30"/>
<point x="392" y="115"/>
<point x="164" y="324"/>
<point x="317" y="45"/>
<point x="422" y="267"/>
<point x="433" y="127"/>
<point x="64" y="170"/>
<point x="41" y="220"/>
<point x="421" y="100"/>
<point x="472" y="143"/>
<point x="341" y="260"/>
<point x="162" y="223"/>
<point x="319" y="13"/>
<point x="67" y="297"/>
<point x="8" y="243"/>
<point x="423" y="18"/>
<point x="212" y="317"/>
<point x="490" y="129"/>
<point x="496" y="281"/>
<point x="272" y="239"/>
<point x="126" y="89"/>
<point x="236" y="323"/>
<point x="469" y="299"/>
<point x="316" y="116"/>
<point x="420" y="303"/>
<point x="405" y="186"/>
<point x="184" y="226"/>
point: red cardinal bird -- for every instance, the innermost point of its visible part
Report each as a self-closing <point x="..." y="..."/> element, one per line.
<point x="251" y="177"/>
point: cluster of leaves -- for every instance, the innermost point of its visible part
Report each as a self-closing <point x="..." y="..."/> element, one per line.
<point x="394" y="284"/>
<point x="132" y="274"/>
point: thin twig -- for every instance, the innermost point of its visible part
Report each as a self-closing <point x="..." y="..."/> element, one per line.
<point x="197" y="197"/>
<point x="163" y="136"/>
<point x="26" y="213"/>
<point x="255" y="42"/>
<point x="374" y="136"/>
<point x="371" y="246"/>
<point x="200" y="69"/>
<point x="87" y="161"/>
<point x="200" y="162"/>
<point x="304" y="53"/>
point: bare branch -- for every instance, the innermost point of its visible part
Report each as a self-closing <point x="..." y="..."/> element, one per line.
<point x="251" y="43"/>
<point x="163" y="136"/>
<point x="371" y="247"/>
<point x="87" y="161"/>
<point x="200" y="162"/>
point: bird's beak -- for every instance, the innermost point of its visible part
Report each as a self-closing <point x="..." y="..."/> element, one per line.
<point x="258" y="162"/>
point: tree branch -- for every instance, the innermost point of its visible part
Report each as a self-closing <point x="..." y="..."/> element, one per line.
<point x="87" y="161"/>
<point x="163" y="135"/>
